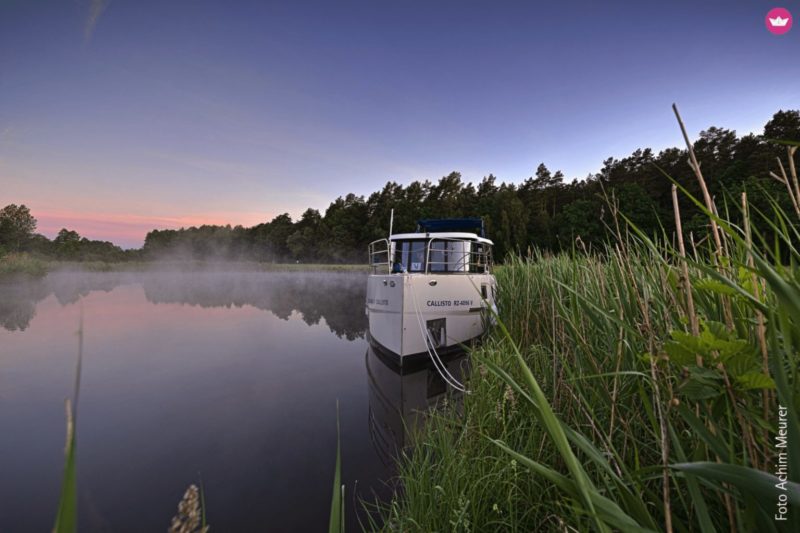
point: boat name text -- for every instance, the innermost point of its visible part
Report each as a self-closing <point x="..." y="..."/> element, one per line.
<point x="449" y="303"/>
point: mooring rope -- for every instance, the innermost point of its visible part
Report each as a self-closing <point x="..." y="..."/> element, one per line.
<point x="432" y="353"/>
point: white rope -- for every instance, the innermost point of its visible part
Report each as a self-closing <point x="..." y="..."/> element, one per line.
<point x="431" y="349"/>
<point x="443" y="371"/>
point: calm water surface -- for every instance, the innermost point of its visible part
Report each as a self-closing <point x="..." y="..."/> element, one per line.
<point x="232" y="377"/>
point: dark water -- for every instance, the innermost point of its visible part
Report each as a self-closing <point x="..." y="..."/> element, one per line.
<point x="232" y="377"/>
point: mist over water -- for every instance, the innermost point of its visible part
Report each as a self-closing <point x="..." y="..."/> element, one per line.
<point x="232" y="377"/>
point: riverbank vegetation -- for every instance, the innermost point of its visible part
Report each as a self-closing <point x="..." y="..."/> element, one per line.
<point x="21" y="264"/>
<point x="651" y="383"/>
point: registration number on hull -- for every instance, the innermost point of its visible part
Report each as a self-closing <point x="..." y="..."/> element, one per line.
<point x="449" y="303"/>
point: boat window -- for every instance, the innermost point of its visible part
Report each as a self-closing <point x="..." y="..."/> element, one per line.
<point x="444" y="256"/>
<point x="417" y="256"/>
<point x="438" y="256"/>
<point x="449" y="256"/>
<point x="409" y="256"/>
<point x="481" y="258"/>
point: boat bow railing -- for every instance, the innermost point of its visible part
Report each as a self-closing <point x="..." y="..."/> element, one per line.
<point x="380" y="256"/>
<point x="442" y="255"/>
<point x="452" y="255"/>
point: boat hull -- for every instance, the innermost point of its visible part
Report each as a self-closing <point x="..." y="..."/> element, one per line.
<point x="410" y="314"/>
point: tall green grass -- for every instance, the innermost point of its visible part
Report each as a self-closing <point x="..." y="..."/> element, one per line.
<point x="336" y="519"/>
<point x="67" y="513"/>
<point x="606" y="401"/>
<point x="21" y="264"/>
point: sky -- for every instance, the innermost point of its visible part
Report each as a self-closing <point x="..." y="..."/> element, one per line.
<point x="121" y="116"/>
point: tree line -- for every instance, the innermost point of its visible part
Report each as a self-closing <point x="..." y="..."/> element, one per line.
<point x="543" y="211"/>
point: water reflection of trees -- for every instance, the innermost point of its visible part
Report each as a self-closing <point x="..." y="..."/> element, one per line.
<point x="18" y="305"/>
<point x="338" y="298"/>
<point x="18" y="300"/>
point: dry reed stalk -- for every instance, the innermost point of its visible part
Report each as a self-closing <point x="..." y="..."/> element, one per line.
<point x="600" y="437"/>
<point x="687" y="284"/>
<point x="699" y="175"/>
<point x="793" y="170"/>
<point x="620" y="345"/>
<point x="726" y="307"/>
<point x="620" y="256"/>
<point x="761" y="330"/>
<point x="665" y="473"/>
<point x="694" y="246"/>
<point x="785" y="180"/>
<point x="664" y="439"/>
<point x="556" y="366"/>
<point x="715" y="231"/>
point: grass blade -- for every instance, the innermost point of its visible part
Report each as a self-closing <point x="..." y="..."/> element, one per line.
<point x="336" y="522"/>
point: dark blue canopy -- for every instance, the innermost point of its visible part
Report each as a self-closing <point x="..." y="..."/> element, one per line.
<point x="436" y="225"/>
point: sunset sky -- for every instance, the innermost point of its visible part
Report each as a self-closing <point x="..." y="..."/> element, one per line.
<point x="123" y="116"/>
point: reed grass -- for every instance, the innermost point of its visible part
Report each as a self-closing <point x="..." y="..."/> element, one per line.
<point x="191" y="515"/>
<point x="21" y="264"/>
<point x="336" y="519"/>
<point x="646" y="385"/>
<point x="67" y="513"/>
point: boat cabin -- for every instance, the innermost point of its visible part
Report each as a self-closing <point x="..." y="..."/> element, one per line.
<point x="438" y="246"/>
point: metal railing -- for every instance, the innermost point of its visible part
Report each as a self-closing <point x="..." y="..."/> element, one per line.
<point x="450" y="256"/>
<point x="453" y="260"/>
<point x="379" y="255"/>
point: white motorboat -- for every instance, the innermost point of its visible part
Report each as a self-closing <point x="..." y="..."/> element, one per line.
<point x="430" y="292"/>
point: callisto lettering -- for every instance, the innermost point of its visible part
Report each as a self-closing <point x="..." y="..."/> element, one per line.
<point x="449" y="303"/>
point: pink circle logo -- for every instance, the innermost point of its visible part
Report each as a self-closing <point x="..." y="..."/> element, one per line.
<point x="778" y="21"/>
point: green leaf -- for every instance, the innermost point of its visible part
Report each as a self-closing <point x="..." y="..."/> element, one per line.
<point x="608" y="511"/>
<point x="336" y="522"/>
<point x="712" y="285"/>
<point x="714" y="442"/>
<point x="679" y="354"/>
<point x="761" y="486"/>
<point x="688" y="341"/>
<point x="702" y="384"/>
<point x="755" y="380"/>
<point x="740" y="362"/>
<point x="67" y="515"/>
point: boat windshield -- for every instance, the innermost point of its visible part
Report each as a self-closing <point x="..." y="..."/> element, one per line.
<point x="440" y="256"/>
<point x="409" y="256"/>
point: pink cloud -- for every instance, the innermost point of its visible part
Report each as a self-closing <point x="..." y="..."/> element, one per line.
<point x="129" y="230"/>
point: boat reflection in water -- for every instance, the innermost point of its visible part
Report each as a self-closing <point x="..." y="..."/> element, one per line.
<point x="400" y="398"/>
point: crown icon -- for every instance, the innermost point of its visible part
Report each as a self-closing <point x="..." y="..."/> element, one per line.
<point x="779" y="22"/>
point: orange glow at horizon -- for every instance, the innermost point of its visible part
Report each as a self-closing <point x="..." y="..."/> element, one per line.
<point x="130" y="230"/>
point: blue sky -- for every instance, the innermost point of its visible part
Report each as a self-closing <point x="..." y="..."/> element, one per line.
<point x="161" y="114"/>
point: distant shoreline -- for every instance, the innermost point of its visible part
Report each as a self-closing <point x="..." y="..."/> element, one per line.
<point x="201" y="265"/>
<point x="15" y="267"/>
